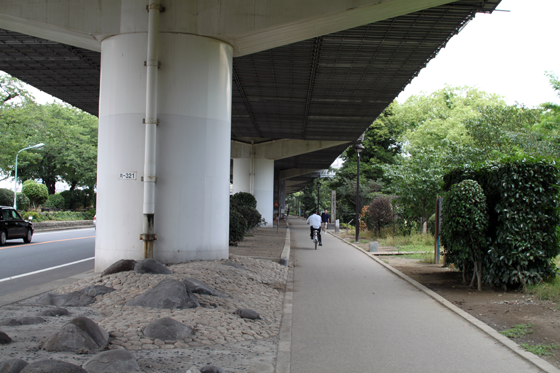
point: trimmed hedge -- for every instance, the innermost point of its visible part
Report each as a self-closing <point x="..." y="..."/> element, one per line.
<point x="523" y="230"/>
<point x="237" y="227"/>
<point x="245" y="199"/>
<point x="6" y="197"/>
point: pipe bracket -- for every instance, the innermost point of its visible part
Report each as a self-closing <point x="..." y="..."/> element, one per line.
<point x="148" y="237"/>
<point x="155" y="6"/>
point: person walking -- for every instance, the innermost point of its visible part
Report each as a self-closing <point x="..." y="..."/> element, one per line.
<point x="325" y="219"/>
<point x="315" y="224"/>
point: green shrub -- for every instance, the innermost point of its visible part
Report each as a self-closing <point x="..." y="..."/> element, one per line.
<point x="237" y="227"/>
<point x="6" y="197"/>
<point x="251" y="214"/>
<point x="245" y="198"/>
<point x="37" y="193"/>
<point x="23" y="202"/>
<point x="89" y="214"/>
<point x="36" y="216"/>
<point x="522" y="234"/>
<point x="55" y="201"/>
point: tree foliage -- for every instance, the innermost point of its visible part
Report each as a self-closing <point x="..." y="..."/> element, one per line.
<point x="69" y="135"/>
<point x="465" y="220"/>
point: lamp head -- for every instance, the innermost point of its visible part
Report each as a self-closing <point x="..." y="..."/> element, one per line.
<point x="359" y="147"/>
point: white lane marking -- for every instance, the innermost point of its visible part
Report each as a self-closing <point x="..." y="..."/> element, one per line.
<point x="44" y="270"/>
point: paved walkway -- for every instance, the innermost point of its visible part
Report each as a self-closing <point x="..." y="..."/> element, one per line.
<point x="350" y="314"/>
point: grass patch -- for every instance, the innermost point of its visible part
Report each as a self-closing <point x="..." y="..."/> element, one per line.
<point x="518" y="331"/>
<point x="546" y="290"/>
<point x="540" y="349"/>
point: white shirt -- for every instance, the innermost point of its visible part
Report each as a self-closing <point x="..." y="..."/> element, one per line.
<point x="315" y="221"/>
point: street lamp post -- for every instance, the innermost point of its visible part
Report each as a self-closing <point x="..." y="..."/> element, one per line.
<point x="358" y="148"/>
<point x="318" y="196"/>
<point x="15" y="178"/>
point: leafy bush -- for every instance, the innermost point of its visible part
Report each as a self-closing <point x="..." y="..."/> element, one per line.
<point x="523" y="206"/>
<point x="465" y="220"/>
<point x="36" y="216"/>
<point x="380" y="212"/>
<point x="245" y="199"/>
<point x="55" y="201"/>
<point x="89" y="214"/>
<point x="252" y="216"/>
<point x="78" y="198"/>
<point x="6" y="197"/>
<point x="37" y="193"/>
<point x="23" y="202"/>
<point x="237" y="227"/>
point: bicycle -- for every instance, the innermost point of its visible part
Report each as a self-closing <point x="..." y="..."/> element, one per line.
<point x="315" y="238"/>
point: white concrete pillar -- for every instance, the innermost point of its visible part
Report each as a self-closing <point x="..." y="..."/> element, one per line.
<point x="241" y="175"/>
<point x="282" y="195"/>
<point x="193" y="149"/>
<point x="264" y="189"/>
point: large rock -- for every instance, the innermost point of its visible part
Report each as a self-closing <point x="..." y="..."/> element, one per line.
<point x="53" y="312"/>
<point x="95" y="290"/>
<point x="73" y="299"/>
<point x="211" y="369"/>
<point x="168" y="294"/>
<point x="151" y="266"/>
<point x="122" y="265"/>
<point x="112" y="361"/>
<point x="12" y="366"/>
<point x="4" y="339"/>
<point x="167" y="329"/>
<point x="27" y="320"/>
<point x="247" y="313"/>
<point x="52" y="366"/>
<point x="81" y="334"/>
<point x="200" y="287"/>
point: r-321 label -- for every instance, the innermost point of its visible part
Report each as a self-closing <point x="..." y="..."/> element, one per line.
<point x="127" y="175"/>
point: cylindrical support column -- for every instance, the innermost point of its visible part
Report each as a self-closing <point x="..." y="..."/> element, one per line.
<point x="264" y="189"/>
<point x="241" y="175"/>
<point x="192" y="148"/>
<point x="282" y="196"/>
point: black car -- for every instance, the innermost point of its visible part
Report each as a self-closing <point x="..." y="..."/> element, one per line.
<point x="12" y="226"/>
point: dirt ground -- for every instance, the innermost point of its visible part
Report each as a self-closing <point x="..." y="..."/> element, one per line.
<point x="499" y="309"/>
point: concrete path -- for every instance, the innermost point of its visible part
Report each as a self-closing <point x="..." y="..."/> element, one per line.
<point x="350" y="314"/>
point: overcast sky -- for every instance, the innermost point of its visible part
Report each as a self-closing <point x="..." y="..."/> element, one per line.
<point x="505" y="53"/>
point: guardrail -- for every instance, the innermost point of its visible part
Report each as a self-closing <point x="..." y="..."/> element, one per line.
<point x="59" y="225"/>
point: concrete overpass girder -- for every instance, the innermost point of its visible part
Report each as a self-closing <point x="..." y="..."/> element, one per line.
<point x="249" y="26"/>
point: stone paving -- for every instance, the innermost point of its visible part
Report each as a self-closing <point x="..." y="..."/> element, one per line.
<point x="257" y="285"/>
<point x="220" y="337"/>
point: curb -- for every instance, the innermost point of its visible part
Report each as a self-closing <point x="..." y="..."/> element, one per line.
<point x="284" y="356"/>
<point x="285" y="256"/>
<point x="43" y="288"/>
<point x="506" y="342"/>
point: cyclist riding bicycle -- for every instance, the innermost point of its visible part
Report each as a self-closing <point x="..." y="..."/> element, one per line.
<point x="315" y="224"/>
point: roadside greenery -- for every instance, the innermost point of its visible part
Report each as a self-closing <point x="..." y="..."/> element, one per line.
<point x="243" y="216"/>
<point x="518" y="331"/>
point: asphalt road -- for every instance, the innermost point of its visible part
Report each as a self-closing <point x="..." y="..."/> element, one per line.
<point x="53" y="255"/>
<point x="350" y="314"/>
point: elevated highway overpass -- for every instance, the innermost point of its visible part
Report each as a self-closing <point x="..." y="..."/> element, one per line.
<point x="282" y="87"/>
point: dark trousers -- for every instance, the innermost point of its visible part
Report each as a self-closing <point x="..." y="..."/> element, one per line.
<point x="318" y="233"/>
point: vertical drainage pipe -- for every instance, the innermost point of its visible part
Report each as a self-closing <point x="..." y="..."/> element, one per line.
<point x="252" y="176"/>
<point x="148" y="235"/>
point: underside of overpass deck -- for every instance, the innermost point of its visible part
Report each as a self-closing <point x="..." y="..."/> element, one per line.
<point x="326" y="88"/>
